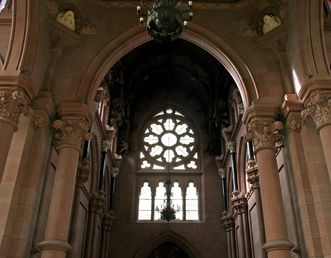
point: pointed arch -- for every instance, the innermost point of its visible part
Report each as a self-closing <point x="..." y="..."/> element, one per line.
<point x="149" y="246"/>
<point x="196" y="34"/>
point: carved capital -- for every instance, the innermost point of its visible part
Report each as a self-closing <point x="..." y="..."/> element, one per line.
<point x="228" y="222"/>
<point x="108" y="220"/>
<point x="71" y="133"/>
<point x="264" y="134"/>
<point x="222" y="172"/>
<point x="239" y="204"/>
<point x="83" y="172"/>
<point x="253" y="177"/>
<point x="40" y="120"/>
<point x="317" y="107"/>
<point x="294" y="124"/>
<point x="231" y="146"/>
<point x="97" y="202"/>
<point x="12" y="104"/>
<point x="115" y="171"/>
<point x="105" y="145"/>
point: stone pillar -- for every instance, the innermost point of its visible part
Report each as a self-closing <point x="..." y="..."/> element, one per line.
<point x="240" y="208"/>
<point x="222" y="173"/>
<point x="70" y="132"/>
<point x="12" y="103"/>
<point x="111" y="218"/>
<point x="318" y="107"/>
<point x="265" y="134"/>
<point x="229" y="226"/>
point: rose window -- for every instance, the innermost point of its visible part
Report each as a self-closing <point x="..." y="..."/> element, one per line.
<point x="169" y="143"/>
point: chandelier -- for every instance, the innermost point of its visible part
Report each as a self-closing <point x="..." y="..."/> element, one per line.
<point x="168" y="211"/>
<point x="164" y="19"/>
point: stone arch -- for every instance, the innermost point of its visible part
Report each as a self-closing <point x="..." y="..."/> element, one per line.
<point x="196" y="34"/>
<point x="149" y="246"/>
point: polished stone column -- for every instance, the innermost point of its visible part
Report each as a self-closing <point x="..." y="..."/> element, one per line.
<point x="231" y="146"/>
<point x="13" y="102"/>
<point x="318" y="107"/>
<point x="222" y="173"/>
<point x="265" y="134"/>
<point x="70" y="133"/>
<point x="229" y="226"/>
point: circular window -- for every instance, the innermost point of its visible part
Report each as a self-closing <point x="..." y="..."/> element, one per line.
<point x="169" y="143"/>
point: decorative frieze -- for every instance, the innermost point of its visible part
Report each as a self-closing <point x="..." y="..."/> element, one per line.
<point x="12" y="104"/>
<point x="264" y="134"/>
<point x="71" y="132"/>
<point x="317" y="107"/>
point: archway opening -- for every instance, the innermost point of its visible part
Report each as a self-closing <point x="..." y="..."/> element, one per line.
<point x="168" y="250"/>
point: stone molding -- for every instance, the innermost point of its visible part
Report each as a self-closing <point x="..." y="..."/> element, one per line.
<point x="264" y="134"/>
<point x="318" y="107"/>
<point x="278" y="244"/>
<point x="71" y="133"/>
<point x="12" y="104"/>
<point x="228" y="221"/>
<point x="55" y="245"/>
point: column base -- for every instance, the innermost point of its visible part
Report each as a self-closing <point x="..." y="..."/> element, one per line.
<point x="273" y="245"/>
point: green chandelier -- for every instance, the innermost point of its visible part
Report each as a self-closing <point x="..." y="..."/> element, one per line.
<point x="164" y="19"/>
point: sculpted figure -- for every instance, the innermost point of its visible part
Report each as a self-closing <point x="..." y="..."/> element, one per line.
<point x="67" y="19"/>
<point x="270" y="22"/>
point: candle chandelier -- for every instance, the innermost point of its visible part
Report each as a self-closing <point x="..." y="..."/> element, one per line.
<point x="164" y="19"/>
<point x="167" y="210"/>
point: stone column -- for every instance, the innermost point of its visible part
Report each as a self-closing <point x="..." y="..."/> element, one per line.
<point x="240" y="208"/>
<point x="111" y="218"/>
<point x="222" y="173"/>
<point x="318" y="107"/>
<point x="265" y="134"/>
<point x="70" y="132"/>
<point x="12" y="103"/>
<point x="229" y="226"/>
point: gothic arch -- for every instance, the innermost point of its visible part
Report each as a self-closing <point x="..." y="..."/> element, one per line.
<point x="169" y="236"/>
<point x="196" y="34"/>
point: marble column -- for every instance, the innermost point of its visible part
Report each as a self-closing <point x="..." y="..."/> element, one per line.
<point x="229" y="226"/>
<point x="264" y="134"/>
<point x="318" y="107"/>
<point x="70" y="132"/>
<point x="13" y="102"/>
<point x="222" y="173"/>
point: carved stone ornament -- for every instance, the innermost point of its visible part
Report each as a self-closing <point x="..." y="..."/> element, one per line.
<point x="115" y="171"/>
<point x="12" y="104"/>
<point x="264" y="134"/>
<point x="105" y="145"/>
<point x="317" y="107"/>
<point x="222" y="172"/>
<point x="295" y="124"/>
<point x="253" y="177"/>
<point x="67" y="19"/>
<point x="83" y="172"/>
<point x="228" y="222"/>
<point x="40" y="120"/>
<point x="270" y="22"/>
<point x="231" y="146"/>
<point x="239" y="204"/>
<point x="71" y="132"/>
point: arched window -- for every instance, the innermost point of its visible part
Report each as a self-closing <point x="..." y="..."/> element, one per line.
<point x="169" y="151"/>
<point x="192" y="203"/>
<point x="2" y="4"/>
<point x="145" y="203"/>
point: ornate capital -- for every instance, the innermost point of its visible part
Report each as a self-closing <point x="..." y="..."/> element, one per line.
<point x="83" y="172"/>
<point x="317" y="107"/>
<point x="294" y="124"/>
<point x="40" y="120"/>
<point x="222" y="172"/>
<point x="105" y="145"/>
<point x="228" y="222"/>
<point x="12" y="104"/>
<point x="115" y="171"/>
<point x="264" y="134"/>
<point x="97" y="202"/>
<point x="231" y="146"/>
<point x="253" y="177"/>
<point x="239" y="204"/>
<point x="71" y="132"/>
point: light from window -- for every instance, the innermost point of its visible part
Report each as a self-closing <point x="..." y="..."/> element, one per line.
<point x="160" y="200"/>
<point x="169" y="143"/>
<point x="177" y="200"/>
<point x="145" y="203"/>
<point x="192" y="205"/>
<point x="2" y="4"/>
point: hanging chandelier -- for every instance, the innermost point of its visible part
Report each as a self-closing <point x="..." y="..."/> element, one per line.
<point x="164" y="19"/>
<point x="167" y="210"/>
